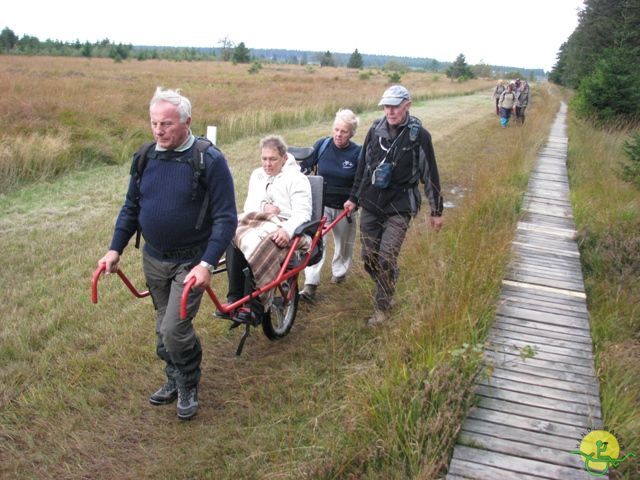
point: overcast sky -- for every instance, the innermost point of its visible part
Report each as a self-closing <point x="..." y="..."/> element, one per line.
<point x="513" y="33"/>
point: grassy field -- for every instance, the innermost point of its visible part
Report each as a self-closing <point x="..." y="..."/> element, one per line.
<point x="59" y="114"/>
<point x="607" y="213"/>
<point x="333" y="400"/>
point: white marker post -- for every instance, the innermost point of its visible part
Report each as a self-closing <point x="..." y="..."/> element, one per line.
<point x="212" y="133"/>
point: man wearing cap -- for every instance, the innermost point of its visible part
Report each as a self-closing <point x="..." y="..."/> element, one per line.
<point x="397" y="154"/>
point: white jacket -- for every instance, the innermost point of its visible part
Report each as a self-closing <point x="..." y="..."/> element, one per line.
<point x="289" y="190"/>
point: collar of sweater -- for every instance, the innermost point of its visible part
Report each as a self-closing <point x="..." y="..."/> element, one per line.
<point x="186" y="145"/>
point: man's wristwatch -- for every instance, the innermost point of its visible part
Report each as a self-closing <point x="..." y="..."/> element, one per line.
<point x="208" y="266"/>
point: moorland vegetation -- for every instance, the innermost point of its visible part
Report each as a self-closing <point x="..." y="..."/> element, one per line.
<point x="334" y="399"/>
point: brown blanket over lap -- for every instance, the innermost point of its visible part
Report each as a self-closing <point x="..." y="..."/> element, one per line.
<point x="253" y="238"/>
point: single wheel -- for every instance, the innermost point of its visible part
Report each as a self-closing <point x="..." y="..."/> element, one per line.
<point x="277" y="322"/>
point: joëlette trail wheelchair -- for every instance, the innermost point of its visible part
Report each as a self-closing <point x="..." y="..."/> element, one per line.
<point x="277" y="321"/>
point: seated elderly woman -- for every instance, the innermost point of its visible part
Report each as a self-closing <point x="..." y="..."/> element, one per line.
<point x="278" y="201"/>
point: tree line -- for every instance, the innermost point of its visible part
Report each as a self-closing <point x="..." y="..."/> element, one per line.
<point x="227" y="50"/>
<point x="601" y="61"/>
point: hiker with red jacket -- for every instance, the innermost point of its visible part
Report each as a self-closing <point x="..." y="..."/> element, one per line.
<point x="187" y="224"/>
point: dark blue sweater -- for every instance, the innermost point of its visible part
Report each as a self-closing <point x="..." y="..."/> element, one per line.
<point x="338" y="168"/>
<point x="168" y="215"/>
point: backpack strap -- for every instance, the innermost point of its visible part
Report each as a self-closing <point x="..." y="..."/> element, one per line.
<point x="139" y="163"/>
<point x="199" y="176"/>
<point x="323" y="147"/>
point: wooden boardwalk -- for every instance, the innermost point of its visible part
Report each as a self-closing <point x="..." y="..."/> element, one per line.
<point x="543" y="394"/>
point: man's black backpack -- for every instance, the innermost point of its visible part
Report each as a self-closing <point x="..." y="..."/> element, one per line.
<point x="198" y="165"/>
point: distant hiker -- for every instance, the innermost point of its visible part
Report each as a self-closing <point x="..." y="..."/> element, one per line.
<point x="335" y="158"/>
<point x="397" y="154"/>
<point x="278" y="201"/>
<point x="507" y="102"/>
<point x="522" y="100"/>
<point x="496" y="94"/>
<point x="187" y="223"/>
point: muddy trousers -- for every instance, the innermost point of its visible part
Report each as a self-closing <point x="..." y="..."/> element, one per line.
<point x="176" y="340"/>
<point x="382" y="237"/>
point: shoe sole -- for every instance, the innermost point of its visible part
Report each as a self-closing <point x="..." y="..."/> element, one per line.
<point x="188" y="416"/>
<point x="158" y="403"/>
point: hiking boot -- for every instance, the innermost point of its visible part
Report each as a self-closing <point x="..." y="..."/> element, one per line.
<point x="166" y="394"/>
<point x="187" y="402"/>
<point x="339" y="279"/>
<point x="309" y="292"/>
<point x="377" y="318"/>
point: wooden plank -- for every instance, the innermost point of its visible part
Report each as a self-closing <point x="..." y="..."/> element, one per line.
<point x="557" y="211"/>
<point x="527" y="300"/>
<point x="517" y="348"/>
<point x="543" y="317"/>
<point x="548" y="261"/>
<point x="523" y="450"/>
<point x="560" y="232"/>
<point x="540" y="280"/>
<point x="537" y="239"/>
<point x="548" y="195"/>
<point x="541" y="391"/>
<point x="510" y="330"/>
<point x="567" y="435"/>
<point x="532" y="337"/>
<point x="582" y="421"/>
<point x="529" y="399"/>
<point x="537" y="185"/>
<point x="534" y="380"/>
<point x="465" y="470"/>
<point x="507" y="359"/>
<point x="573" y="355"/>
<point x="545" y="293"/>
<point x="524" y="246"/>
<point x="549" y="327"/>
<point x="546" y="297"/>
<point x="523" y="466"/>
<point x="525" y="367"/>
<point x="546" y="219"/>
<point x="531" y="266"/>
<point x="551" y="169"/>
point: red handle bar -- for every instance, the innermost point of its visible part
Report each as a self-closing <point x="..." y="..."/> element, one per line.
<point x="96" y="276"/>
<point x="185" y="296"/>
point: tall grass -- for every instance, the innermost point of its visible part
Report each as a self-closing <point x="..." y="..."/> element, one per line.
<point x="607" y="213"/>
<point x="408" y="405"/>
<point x="95" y="111"/>
<point x="332" y="400"/>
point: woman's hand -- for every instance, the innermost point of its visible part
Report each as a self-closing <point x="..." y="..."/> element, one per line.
<point x="271" y="208"/>
<point x="280" y="237"/>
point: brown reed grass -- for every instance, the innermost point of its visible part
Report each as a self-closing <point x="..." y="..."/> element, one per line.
<point x="99" y="108"/>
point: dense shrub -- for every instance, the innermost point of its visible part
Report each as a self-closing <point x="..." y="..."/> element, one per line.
<point x="612" y="91"/>
<point x="631" y="169"/>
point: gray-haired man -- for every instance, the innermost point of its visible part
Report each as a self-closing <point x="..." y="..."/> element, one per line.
<point x="397" y="154"/>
